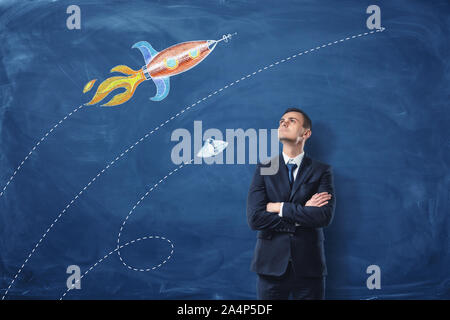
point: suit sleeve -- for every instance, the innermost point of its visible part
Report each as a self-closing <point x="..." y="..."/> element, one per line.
<point x="257" y="216"/>
<point x="314" y="217"/>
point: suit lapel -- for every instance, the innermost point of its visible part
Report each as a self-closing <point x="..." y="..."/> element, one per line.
<point x="303" y="172"/>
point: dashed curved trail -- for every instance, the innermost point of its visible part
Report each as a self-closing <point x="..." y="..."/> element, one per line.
<point x="311" y="50"/>
<point x="134" y="208"/>
<point x="35" y="146"/>
<point x="117" y="249"/>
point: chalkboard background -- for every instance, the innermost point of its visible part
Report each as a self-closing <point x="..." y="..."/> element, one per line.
<point x="380" y="112"/>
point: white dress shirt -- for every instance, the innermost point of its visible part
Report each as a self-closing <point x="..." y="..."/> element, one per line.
<point x="297" y="160"/>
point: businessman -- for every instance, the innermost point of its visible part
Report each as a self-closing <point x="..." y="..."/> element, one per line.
<point x="289" y="209"/>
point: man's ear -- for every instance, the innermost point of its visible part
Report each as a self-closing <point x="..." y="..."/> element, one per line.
<point x="308" y="134"/>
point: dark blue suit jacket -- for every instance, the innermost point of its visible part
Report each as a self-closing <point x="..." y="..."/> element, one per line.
<point x="278" y="238"/>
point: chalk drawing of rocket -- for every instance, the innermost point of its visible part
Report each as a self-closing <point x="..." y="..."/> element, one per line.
<point x="159" y="67"/>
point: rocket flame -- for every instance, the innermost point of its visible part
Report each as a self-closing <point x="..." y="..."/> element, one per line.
<point x="89" y="86"/>
<point x="129" y="83"/>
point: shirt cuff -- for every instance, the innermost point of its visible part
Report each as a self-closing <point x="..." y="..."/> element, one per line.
<point x="281" y="210"/>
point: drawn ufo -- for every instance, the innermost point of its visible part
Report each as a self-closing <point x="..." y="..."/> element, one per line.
<point x="212" y="148"/>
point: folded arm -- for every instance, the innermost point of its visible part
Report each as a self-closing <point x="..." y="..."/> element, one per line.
<point x="257" y="216"/>
<point x="313" y="216"/>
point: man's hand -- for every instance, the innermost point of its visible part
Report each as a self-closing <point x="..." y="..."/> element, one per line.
<point x="273" y="207"/>
<point x="318" y="200"/>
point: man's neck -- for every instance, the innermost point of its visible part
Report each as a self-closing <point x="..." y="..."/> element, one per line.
<point x="292" y="150"/>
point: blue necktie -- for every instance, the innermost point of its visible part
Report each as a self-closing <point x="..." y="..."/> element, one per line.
<point x="291" y="167"/>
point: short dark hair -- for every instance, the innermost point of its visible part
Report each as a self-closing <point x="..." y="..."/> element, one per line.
<point x="307" y="123"/>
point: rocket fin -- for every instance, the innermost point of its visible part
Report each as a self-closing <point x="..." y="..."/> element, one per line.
<point x="146" y="49"/>
<point x="162" y="88"/>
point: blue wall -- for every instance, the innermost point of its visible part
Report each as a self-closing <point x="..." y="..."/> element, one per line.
<point x="380" y="112"/>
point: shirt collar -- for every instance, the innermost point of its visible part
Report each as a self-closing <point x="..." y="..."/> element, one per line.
<point x="297" y="160"/>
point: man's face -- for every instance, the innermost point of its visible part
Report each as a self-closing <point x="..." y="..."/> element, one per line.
<point x="291" y="128"/>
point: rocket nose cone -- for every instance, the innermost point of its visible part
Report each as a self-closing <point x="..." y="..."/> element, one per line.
<point x="211" y="44"/>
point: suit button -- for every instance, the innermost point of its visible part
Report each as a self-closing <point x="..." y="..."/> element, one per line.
<point x="291" y="235"/>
